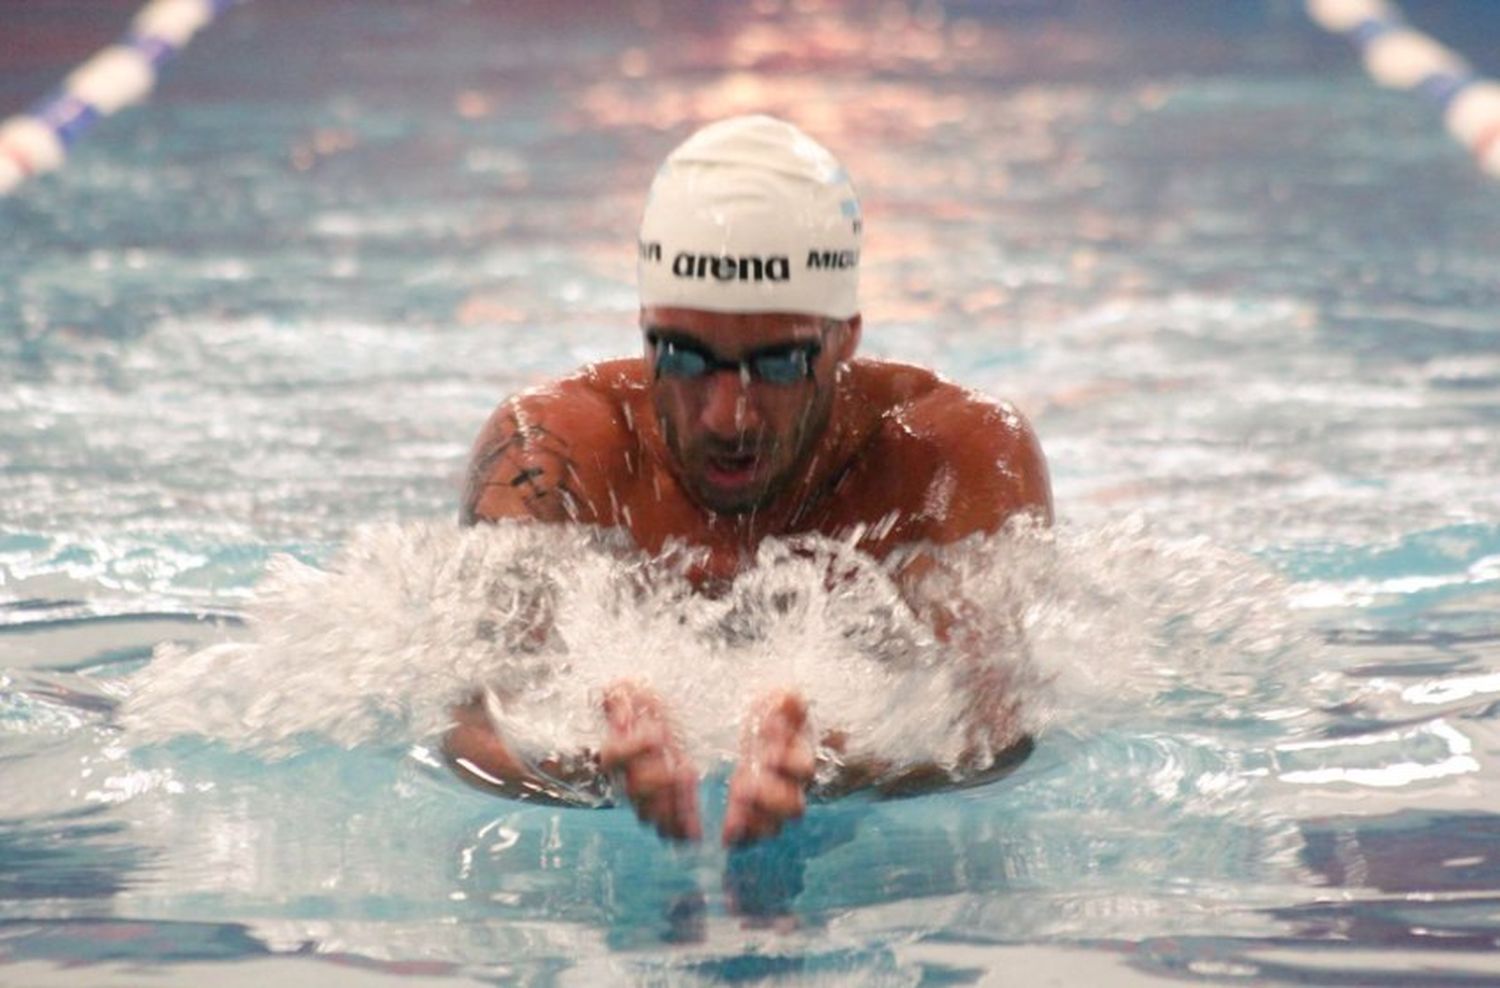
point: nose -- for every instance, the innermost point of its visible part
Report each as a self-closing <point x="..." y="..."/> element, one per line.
<point x="728" y="412"/>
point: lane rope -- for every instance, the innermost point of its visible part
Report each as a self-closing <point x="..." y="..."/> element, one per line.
<point x="1398" y="56"/>
<point x="37" y="141"/>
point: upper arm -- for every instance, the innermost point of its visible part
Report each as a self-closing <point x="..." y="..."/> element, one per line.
<point x="985" y="467"/>
<point x="988" y="467"/>
<point x="546" y="456"/>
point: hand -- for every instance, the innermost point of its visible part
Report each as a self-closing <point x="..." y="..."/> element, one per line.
<point x="769" y="786"/>
<point x="659" y="779"/>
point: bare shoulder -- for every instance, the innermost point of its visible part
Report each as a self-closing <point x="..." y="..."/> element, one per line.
<point x="550" y="452"/>
<point x="976" y="458"/>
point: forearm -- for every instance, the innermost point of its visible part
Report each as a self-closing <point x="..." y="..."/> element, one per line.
<point x="841" y="772"/>
<point x="481" y="758"/>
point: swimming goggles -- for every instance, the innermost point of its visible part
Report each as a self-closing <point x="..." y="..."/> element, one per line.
<point x="686" y="361"/>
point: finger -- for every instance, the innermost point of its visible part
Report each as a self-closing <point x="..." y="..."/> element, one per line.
<point x="621" y="749"/>
<point x="778" y="797"/>
<point x="791" y="710"/>
<point x="758" y="807"/>
<point x="618" y="715"/>
<point x="687" y="802"/>
<point x="675" y="808"/>
<point x="780" y="718"/>
<point x="791" y="756"/>
<point x="662" y="816"/>
<point x="737" y="809"/>
<point x="797" y="761"/>
<point x="627" y="704"/>
<point x="649" y="776"/>
<point x="736" y="816"/>
<point x="758" y="826"/>
<point x="794" y="763"/>
<point x="653" y="795"/>
<point x="664" y="793"/>
<point x="779" y="803"/>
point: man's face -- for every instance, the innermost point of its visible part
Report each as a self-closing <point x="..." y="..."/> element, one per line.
<point x="742" y="398"/>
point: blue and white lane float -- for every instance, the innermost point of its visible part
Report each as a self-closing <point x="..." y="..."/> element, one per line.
<point x="37" y="141"/>
<point x="1398" y="56"/>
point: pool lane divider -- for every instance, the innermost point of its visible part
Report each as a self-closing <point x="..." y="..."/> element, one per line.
<point x="38" y="140"/>
<point x="1398" y="56"/>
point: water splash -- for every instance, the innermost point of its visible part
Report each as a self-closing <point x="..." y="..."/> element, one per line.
<point x="1084" y="626"/>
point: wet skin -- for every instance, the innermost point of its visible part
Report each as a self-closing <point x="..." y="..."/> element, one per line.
<point x="721" y="461"/>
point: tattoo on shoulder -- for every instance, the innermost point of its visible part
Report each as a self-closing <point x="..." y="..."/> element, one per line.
<point x="531" y="460"/>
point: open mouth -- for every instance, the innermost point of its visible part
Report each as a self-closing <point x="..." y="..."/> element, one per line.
<point x="732" y="469"/>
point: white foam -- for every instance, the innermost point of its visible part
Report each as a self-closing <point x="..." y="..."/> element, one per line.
<point x="411" y="619"/>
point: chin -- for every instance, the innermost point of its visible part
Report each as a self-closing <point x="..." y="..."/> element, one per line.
<point x="736" y="500"/>
<point x="731" y="504"/>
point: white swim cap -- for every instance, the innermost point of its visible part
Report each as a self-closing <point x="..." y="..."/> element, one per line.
<point x="751" y="215"/>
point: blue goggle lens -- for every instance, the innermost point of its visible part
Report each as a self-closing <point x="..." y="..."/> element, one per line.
<point x="787" y="367"/>
<point x="673" y="361"/>
<point x="782" y="366"/>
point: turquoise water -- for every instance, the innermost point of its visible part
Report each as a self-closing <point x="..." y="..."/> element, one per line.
<point x="1244" y="296"/>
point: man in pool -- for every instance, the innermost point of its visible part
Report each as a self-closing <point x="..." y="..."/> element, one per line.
<point x="748" y="417"/>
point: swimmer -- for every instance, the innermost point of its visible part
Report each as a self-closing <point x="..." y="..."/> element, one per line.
<point x="748" y="416"/>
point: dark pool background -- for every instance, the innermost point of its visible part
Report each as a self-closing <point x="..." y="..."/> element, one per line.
<point x="1245" y="296"/>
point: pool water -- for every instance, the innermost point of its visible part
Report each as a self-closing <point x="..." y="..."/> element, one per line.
<point x="1244" y="296"/>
